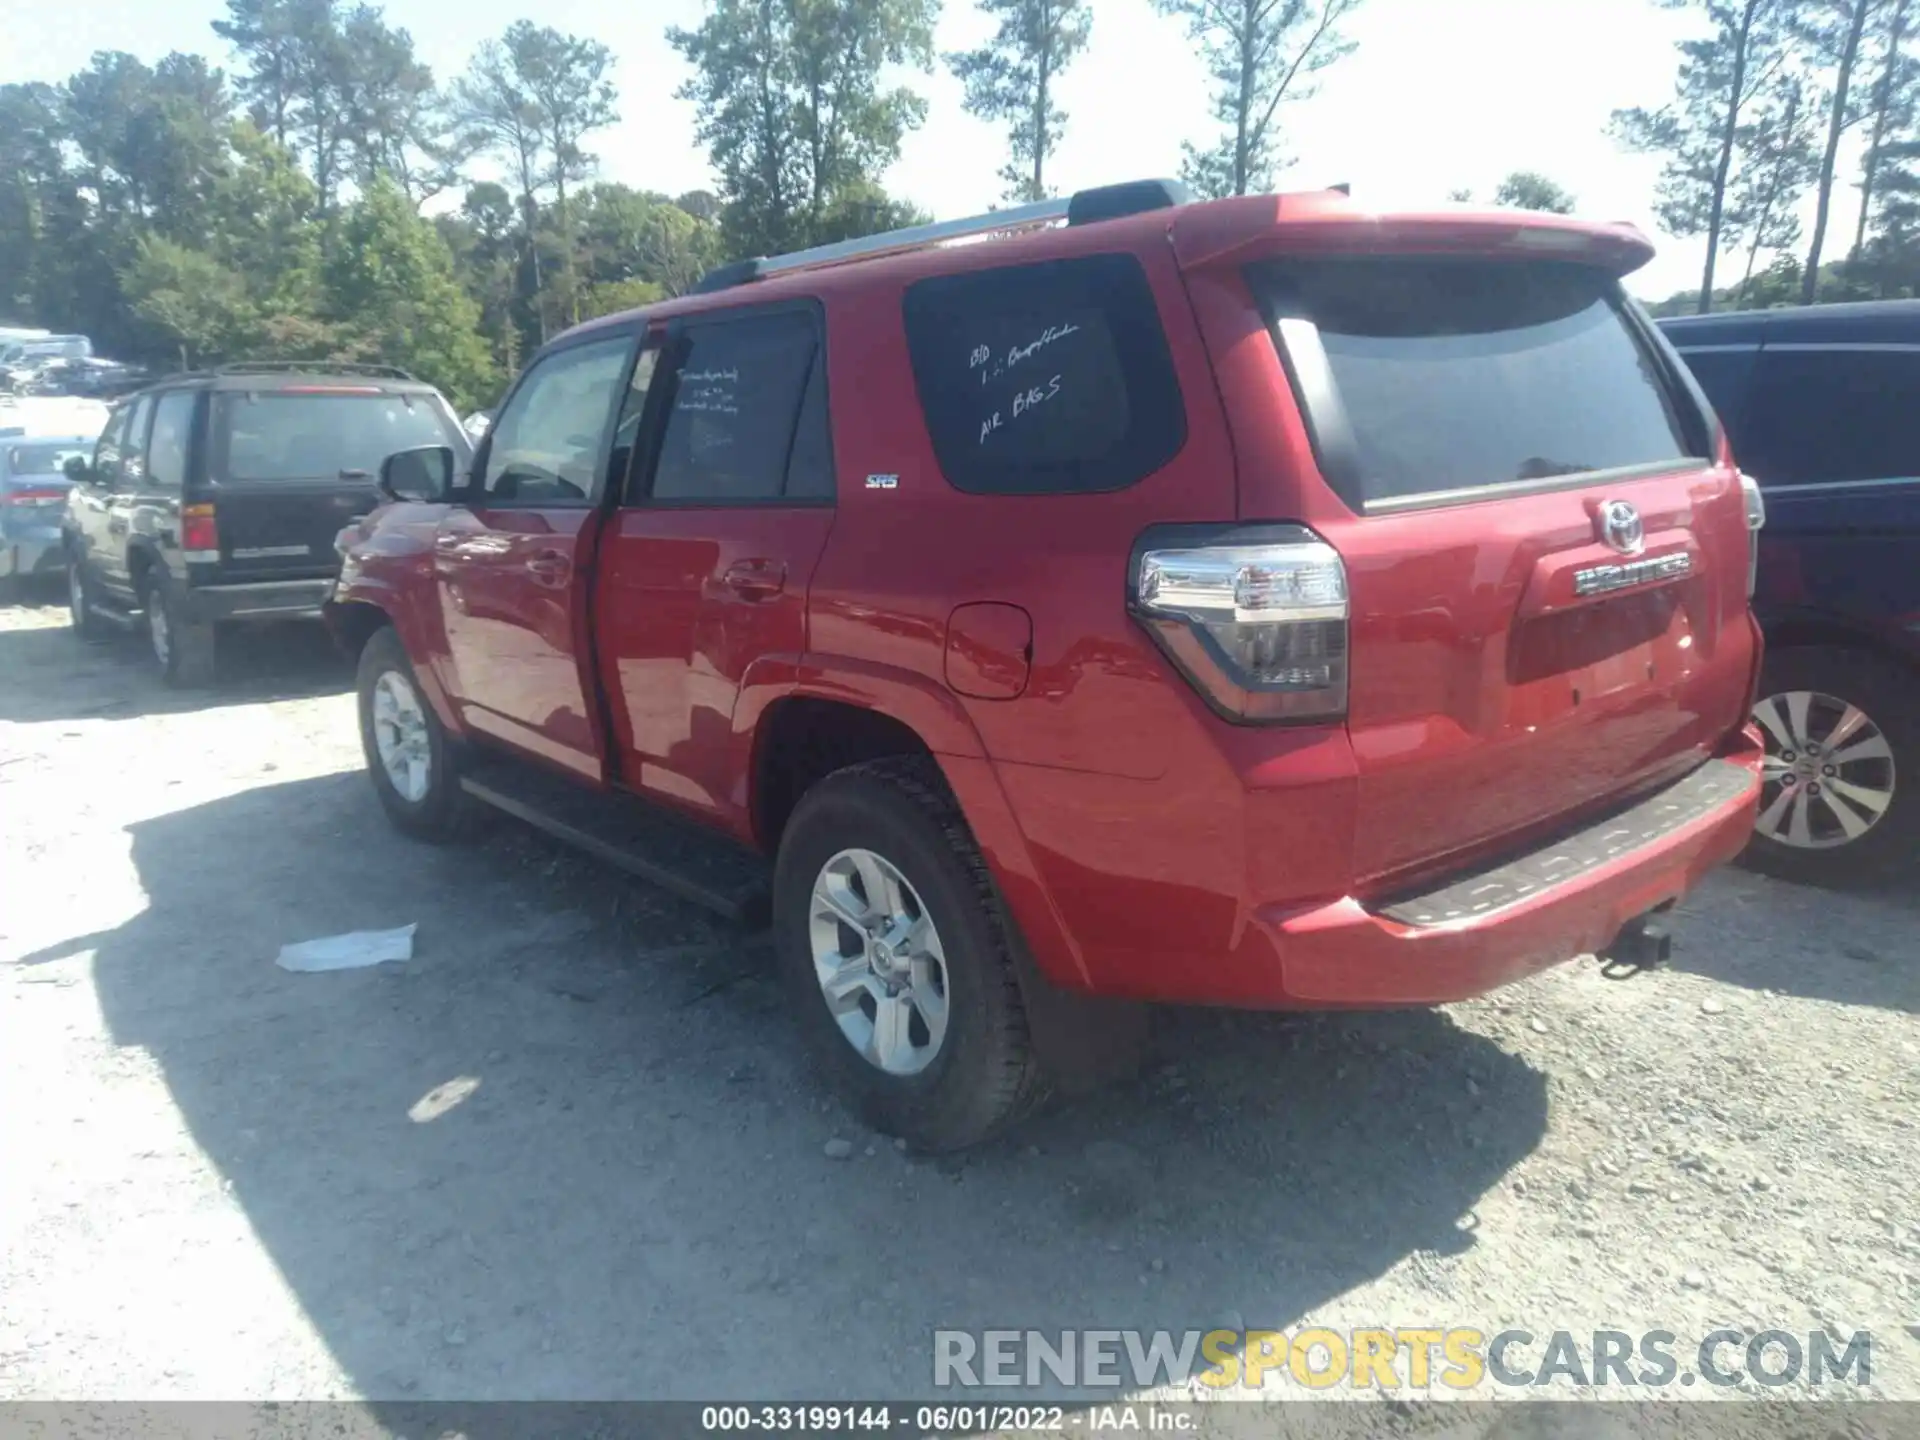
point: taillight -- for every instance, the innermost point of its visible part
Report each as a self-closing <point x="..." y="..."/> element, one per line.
<point x="199" y="535"/>
<point x="1756" y="506"/>
<point x="34" y="499"/>
<point x="1255" y="617"/>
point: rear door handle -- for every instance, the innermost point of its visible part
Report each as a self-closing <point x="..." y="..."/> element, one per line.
<point x="756" y="579"/>
<point x="550" y="567"/>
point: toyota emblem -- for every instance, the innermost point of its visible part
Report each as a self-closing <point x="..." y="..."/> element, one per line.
<point x="1620" y="527"/>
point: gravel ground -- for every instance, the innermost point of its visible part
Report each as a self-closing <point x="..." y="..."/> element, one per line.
<point x="572" y="1150"/>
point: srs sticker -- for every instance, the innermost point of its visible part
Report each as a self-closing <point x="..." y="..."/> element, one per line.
<point x="883" y="482"/>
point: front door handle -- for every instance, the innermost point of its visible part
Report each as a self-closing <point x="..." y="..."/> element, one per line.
<point x="756" y="579"/>
<point x="550" y="567"/>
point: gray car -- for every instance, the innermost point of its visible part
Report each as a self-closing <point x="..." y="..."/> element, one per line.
<point x="33" y="496"/>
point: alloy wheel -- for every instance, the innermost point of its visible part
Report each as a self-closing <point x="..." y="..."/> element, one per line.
<point x="400" y="736"/>
<point x="1828" y="777"/>
<point x="159" y="631"/>
<point x="880" y="963"/>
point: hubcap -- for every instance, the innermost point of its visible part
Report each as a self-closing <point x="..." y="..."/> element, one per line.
<point x="157" y="629"/>
<point x="400" y="736"/>
<point x="879" y="961"/>
<point x="1829" y="775"/>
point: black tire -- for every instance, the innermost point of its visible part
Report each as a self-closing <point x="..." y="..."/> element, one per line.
<point x="182" y="649"/>
<point x="440" y="814"/>
<point x="86" y="621"/>
<point x="984" y="1073"/>
<point x="1889" y="695"/>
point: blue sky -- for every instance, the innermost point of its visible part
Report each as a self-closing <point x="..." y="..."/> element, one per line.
<point x="1440" y="94"/>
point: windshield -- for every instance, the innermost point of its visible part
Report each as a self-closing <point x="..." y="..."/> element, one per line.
<point x="290" y="435"/>
<point x="1459" y="374"/>
<point x="45" y="459"/>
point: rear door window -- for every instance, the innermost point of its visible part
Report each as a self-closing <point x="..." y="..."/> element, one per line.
<point x="133" y="460"/>
<point x="287" y="435"/>
<point x="113" y="440"/>
<point x="172" y="436"/>
<point x="1436" y="376"/>
<point x="1826" y="417"/>
<point x="748" y="421"/>
<point x="1045" y="379"/>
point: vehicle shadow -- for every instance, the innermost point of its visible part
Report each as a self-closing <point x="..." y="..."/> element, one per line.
<point x="62" y="678"/>
<point x="1868" y="955"/>
<point x="572" y="1149"/>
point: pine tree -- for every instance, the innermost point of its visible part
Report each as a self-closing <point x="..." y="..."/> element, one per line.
<point x="1014" y="78"/>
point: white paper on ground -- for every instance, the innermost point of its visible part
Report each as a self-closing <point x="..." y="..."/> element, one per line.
<point x="348" y="952"/>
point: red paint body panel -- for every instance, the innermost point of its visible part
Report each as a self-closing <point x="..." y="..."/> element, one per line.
<point x="509" y="584"/>
<point x="1143" y="844"/>
<point x="687" y="600"/>
<point x="1470" y="717"/>
<point x="388" y="565"/>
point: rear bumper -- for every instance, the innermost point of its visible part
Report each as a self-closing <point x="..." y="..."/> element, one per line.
<point x="31" y="554"/>
<point x="1569" y="897"/>
<point x="274" y="600"/>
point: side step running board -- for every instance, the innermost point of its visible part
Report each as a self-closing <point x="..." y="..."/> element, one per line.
<point x="695" y="864"/>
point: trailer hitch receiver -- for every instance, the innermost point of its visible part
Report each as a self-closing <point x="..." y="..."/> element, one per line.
<point x="1643" y="942"/>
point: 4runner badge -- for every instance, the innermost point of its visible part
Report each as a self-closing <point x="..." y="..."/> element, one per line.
<point x="1599" y="579"/>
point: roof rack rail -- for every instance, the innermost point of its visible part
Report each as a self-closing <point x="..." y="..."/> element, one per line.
<point x="312" y="367"/>
<point x="1084" y="207"/>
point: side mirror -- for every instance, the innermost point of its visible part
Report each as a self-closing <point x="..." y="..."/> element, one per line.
<point x="80" y="470"/>
<point x="423" y="474"/>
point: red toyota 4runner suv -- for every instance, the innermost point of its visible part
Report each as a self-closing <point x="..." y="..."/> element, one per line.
<point x="1261" y="602"/>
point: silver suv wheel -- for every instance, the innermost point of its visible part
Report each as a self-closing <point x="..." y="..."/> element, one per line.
<point x="1829" y="773"/>
<point x="879" y="961"/>
<point x="159" y="632"/>
<point x="400" y="736"/>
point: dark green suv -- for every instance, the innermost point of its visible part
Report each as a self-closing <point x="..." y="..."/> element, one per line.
<point x="214" y="498"/>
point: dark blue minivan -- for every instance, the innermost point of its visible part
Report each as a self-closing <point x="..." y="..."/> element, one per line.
<point x="1822" y="406"/>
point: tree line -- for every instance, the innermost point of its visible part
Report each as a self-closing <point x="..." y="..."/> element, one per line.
<point x="184" y="212"/>
<point x="300" y="201"/>
<point x="321" y="194"/>
<point x="1762" y="105"/>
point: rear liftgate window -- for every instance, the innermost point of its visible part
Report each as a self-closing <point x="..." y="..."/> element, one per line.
<point x="1045" y="379"/>
<point x="296" y="435"/>
<point x="1424" y="377"/>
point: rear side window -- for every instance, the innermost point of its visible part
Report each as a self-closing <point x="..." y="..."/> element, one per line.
<point x="269" y="435"/>
<point x="1824" y="417"/>
<point x="1045" y="379"/>
<point x="1447" y="375"/>
<point x="748" y="421"/>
